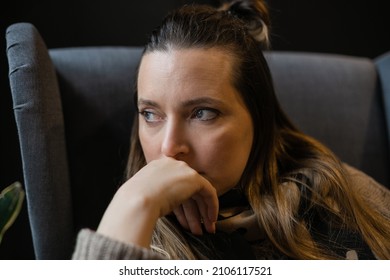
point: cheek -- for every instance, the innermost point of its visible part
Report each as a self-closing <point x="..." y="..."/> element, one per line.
<point x="234" y="151"/>
<point x="149" y="146"/>
<point x="225" y="155"/>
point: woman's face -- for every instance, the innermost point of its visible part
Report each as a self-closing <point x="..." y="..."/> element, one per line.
<point x="190" y="110"/>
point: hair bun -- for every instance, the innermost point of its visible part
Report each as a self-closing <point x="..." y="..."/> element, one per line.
<point x="254" y="13"/>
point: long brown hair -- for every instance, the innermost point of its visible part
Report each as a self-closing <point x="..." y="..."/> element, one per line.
<point x="283" y="160"/>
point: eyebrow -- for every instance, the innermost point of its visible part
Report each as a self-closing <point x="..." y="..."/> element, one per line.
<point x="202" y="101"/>
<point x="188" y="103"/>
<point x="147" y="102"/>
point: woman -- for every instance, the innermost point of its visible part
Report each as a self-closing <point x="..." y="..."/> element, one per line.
<point x="217" y="170"/>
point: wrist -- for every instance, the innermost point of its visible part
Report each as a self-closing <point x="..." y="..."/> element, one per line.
<point x="129" y="219"/>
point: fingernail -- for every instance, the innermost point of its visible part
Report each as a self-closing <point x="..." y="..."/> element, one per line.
<point x="213" y="228"/>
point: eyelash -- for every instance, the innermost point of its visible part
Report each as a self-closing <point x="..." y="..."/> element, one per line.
<point x="213" y="111"/>
<point x="144" y="114"/>
<point x="194" y="115"/>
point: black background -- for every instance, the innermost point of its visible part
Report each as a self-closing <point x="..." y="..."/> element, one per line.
<point x="359" y="28"/>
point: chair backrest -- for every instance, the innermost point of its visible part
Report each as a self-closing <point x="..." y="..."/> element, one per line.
<point x="74" y="112"/>
<point x="338" y="99"/>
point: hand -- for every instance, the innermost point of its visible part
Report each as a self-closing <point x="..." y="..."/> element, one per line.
<point x="162" y="186"/>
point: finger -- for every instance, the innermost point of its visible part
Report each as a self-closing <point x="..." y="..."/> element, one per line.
<point x="210" y="198"/>
<point x="203" y="210"/>
<point x="179" y="213"/>
<point x="193" y="217"/>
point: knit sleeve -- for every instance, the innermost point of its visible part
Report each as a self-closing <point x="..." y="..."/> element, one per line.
<point x="91" y="245"/>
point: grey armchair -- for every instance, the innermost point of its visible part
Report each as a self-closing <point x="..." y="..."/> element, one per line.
<point x="74" y="111"/>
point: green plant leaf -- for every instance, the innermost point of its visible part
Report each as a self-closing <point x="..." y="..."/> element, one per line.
<point x="11" y="200"/>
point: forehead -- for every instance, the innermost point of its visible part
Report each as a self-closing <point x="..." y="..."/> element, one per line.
<point x="182" y="74"/>
<point x="186" y="66"/>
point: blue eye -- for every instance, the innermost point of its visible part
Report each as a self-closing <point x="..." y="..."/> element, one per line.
<point x="150" y="116"/>
<point x="205" y="114"/>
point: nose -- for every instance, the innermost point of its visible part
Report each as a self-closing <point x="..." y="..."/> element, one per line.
<point x="175" y="140"/>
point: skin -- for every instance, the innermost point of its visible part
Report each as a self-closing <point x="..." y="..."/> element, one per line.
<point x="196" y="134"/>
